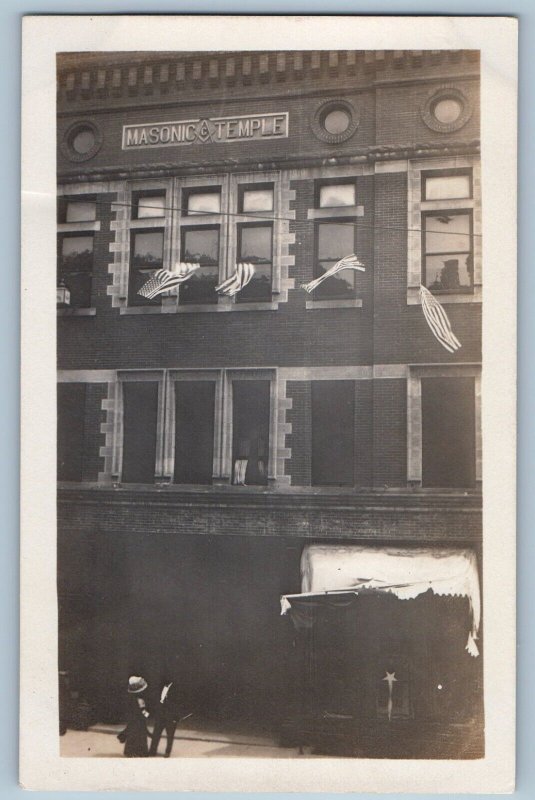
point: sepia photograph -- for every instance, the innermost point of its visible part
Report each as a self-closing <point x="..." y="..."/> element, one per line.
<point x="270" y="449"/>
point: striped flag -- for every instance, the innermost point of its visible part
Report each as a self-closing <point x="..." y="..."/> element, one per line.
<point x="438" y="321"/>
<point x="164" y="279"/>
<point x="236" y="282"/>
<point x="348" y="262"/>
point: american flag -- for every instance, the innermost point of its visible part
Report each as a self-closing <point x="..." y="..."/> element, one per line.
<point x="347" y="262"/>
<point x="236" y="282"/>
<point x="164" y="279"/>
<point x="438" y="321"/>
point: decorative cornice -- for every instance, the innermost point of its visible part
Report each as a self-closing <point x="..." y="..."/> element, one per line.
<point x="107" y="77"/>
<point x="359" y="155"/>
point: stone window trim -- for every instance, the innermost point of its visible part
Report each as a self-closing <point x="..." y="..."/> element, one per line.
<point x="416" y="208"/>
<point x="228" y="221"/>
<point x="112" y="451"/>
<point x="414" y="414"/>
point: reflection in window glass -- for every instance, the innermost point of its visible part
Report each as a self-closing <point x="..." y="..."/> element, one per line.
<point x="79" y="211"/>
<point x="334" y="241"/>
<point x="448" y="252"/>
<point x="257" y="200"/>
<point x="200" y="246"/>
<point x="255" y="247"/>
<point x="149" y="206"/>
<point x="447" y="187"/>
<point x="340" y="194"/>
<point x="75" y="265"/>
<point x="204" y="203"/>
<point x="146" y="258"/>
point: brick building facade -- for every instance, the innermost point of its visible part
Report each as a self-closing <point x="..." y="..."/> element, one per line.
<point x="356" y="427"/>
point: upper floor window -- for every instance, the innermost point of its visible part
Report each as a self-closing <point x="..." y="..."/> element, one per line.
<point x="205" y="200"/>
<point x="336" y="195"/>
<point x="447" y="251"/>
<point x="209" y="222"/>
<point x="334" y="240"/>
<point x="333" y="425"/>
<point x="193" y="427"/>
<point x="255" y="198"/>
<point x="147" y="206"/>
<point x="200" y="245"/>
<point x="444" y="236"/>
<point x="255" y="246"/>
<point x="75" y="267"/>
<point x="77" y="223"/>
<point x="146" y="249"/>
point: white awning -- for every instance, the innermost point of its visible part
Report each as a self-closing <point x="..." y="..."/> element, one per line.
<point x="404" y="572"/>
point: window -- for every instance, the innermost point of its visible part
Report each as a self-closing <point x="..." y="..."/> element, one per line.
<point x="333" y="433"/>
<point x="446" y="185"/>
<point x="255" y="198"/>
<point x="255" y="247"/>
<point x="75" y="267"/>
<point x="148" y="206"/>
<point x="70" y="431"/>
<point x="194" y="431"/>
<point x="146" y="258"/>
<point x="140" y="410"/>
<point x="201" y="201"/>
<point x="194" y="427"/>
<point x="447" y="251"/>
<point x="200" y="245"/>
<point x="334" y="240"/>
<point x="448" y="432"/>
<point x="76" y="210"/>
<point x="250" y="431"/>
<point x="333" y="195"/>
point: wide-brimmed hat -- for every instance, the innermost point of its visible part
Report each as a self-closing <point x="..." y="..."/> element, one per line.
<point x="136" y="684"/>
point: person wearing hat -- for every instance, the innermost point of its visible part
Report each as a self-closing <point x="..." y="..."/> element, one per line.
<point x="134" y="736"/>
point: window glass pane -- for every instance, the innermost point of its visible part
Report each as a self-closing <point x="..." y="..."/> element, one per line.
<point x="150" y="206"/>
<point x="250" y="431"/>
<point x="336" y="121"/>
<point x="335" y="240"/>
<point x="447" y="233"/>
<point x="78" y="211"/>
<point x="204" y="203"/>
<point x="258" y="290"/>
<point x="77" y="253"/>
<point x="255" y="244"/>
<point x="448" y="274"/>
<point x="341" y="194"/>
<point x="257" y="200"/>
<point x="140" y="406"/>
<point x="333" y="426"/>
<point x="201" y="246"/>
<point x="447" y="187"/>
<point x="148" y="250"/>
<point x="448" y="432"/>
<point x="70" y="432"/>
<point x="194" y="431"/>
<point x="447" y="110"/>
<point x="83" y="141"/>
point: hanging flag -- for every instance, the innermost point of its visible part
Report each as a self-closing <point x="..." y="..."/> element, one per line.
<point x="438" y="321"/>
<point x="347" y="262"/>
<point x="164" y="279"/>
<point x="390" y="677"/>
<point x="236" y="282"/>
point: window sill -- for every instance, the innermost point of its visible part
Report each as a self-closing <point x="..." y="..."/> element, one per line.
<point x="413" y="296"/>
<point x="355" y="302"/>
<point x="333" y="212"/>
<point x="193" y="308"/>
<point x="76" y="312"/>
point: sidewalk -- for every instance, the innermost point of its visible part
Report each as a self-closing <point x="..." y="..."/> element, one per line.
<point x="100" y="741"/>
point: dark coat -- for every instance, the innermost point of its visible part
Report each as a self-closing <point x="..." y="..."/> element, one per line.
<point x="169" y="710"/>
<point x="134" y="735"/>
